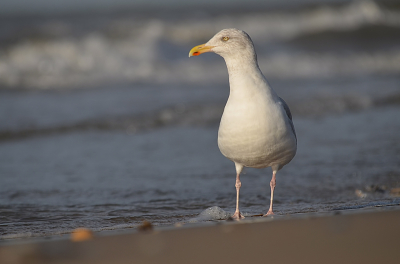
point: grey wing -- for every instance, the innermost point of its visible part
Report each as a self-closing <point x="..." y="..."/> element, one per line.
<point x="289" y="114"/>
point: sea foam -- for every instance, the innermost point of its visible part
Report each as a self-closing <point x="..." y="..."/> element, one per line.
<point x="210" y="214"/>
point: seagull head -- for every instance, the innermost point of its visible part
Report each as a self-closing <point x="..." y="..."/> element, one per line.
<point x="229" y="43"/>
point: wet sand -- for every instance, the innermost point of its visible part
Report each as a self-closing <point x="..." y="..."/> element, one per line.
<point x="357" y="236"/>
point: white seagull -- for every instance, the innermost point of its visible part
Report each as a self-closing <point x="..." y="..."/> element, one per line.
<point x="256" y="128"/>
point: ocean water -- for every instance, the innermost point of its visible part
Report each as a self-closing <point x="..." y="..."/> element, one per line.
<point x="105" y="121"/>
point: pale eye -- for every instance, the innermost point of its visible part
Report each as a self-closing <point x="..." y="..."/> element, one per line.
<point x="225" y="38"/>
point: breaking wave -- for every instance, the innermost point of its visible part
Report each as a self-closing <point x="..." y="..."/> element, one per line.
<point x="50" y="54"/>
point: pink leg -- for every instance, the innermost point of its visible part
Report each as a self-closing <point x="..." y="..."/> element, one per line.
<point x="237" y="215"/>
<point x="272" y="184"/>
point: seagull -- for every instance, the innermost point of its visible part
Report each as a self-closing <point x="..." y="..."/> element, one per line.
<point x="256" y="128"/>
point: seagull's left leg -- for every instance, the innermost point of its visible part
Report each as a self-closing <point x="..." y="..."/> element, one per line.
<point x="272" y="184"/>
<point x="237" y="215"/>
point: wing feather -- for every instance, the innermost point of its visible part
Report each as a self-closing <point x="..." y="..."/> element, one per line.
<point x="289" y="114"/>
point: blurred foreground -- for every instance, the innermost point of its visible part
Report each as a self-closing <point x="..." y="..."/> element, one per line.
<point x="368" y="237"/>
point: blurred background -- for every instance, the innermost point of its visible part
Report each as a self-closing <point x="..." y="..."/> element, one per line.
<point x="106" y="122"/>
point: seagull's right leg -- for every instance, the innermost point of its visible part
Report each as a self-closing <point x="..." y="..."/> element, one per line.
<point x="272" y="184"/>
<point x="237" y="215"/>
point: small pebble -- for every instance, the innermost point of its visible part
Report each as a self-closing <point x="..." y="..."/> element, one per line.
<point x="81" y="234"/>
<point x="145" y="226"/>
<point x="375" y="188"/>
<point x="395" y="192"/>
<point x="179" y="224"/>
<point x="360" y="194"/>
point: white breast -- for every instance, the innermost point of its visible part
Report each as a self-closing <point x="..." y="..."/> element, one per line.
<point x="254" y="129"/>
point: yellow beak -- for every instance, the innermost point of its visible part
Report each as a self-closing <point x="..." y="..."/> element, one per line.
<point x="196" y="51"/>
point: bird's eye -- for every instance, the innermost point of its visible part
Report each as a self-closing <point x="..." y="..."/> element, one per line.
<point x="225" y="38"/>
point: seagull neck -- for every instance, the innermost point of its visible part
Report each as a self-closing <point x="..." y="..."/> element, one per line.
<point x="245" y="74"/>
<point x="241" y="64"/>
